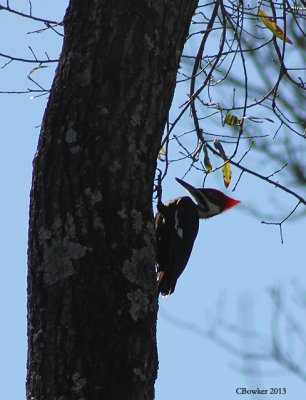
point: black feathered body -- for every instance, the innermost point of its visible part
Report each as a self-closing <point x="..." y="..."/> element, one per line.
<point x="176" y="227"/>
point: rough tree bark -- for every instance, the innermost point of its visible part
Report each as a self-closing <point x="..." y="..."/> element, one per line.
<point x="92" y="298"/>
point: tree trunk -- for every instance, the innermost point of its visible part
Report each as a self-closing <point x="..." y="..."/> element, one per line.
<point x="92" y="297"/>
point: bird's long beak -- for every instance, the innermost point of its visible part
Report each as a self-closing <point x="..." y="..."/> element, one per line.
<point x="186" y="185"/>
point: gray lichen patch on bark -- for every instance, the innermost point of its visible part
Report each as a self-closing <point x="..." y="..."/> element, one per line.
<point x="139" y="374"/>
<point x="123" y="213"/>
<point x="95" y="196"/>
<point x="58" y="259"/>
<point x="78" y="383"/>
<point x="71" y="136"/>
<point x="139" y="304"/>
<point x="141" y="258"/>
<point x="136" y="216"/>
<point x="137" y="221"/>
<point x="129" y="270"/>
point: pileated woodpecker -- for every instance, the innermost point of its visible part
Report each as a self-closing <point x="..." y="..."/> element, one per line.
<point x="176" y="227"/>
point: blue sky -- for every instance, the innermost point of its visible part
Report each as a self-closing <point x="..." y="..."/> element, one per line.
<point x="235" y="257"/>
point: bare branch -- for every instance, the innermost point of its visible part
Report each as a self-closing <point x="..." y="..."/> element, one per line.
<point x="26" y="60"/>
<point x="272" y="347"/>
<point x="282" y="221"/>
<point x="30" y="16"/>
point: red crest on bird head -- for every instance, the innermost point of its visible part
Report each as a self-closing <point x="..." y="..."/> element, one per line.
<point x="210" y="201"/>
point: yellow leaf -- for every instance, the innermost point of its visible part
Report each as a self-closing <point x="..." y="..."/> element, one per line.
<point x="39" y="67"/>
<point x="230" y="119"/>
<point x="227" y="173"/>
<point x="162" y="150"/>
<point x="226" y="167"/>
<point x="207" y="163"/>
<point x="270" y="24"/>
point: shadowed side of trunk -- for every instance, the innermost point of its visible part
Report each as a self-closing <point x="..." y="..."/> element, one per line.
<point x="92" y="297"/>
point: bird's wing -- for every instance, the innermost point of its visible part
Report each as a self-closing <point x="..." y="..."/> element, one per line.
<point x="176" y="230"/>
<point x="184" y="232"/>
